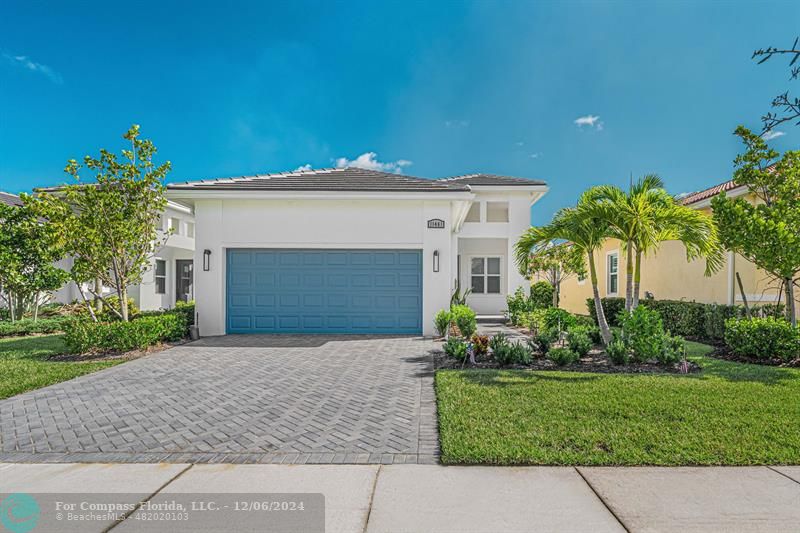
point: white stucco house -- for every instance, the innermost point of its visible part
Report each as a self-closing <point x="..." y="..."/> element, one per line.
<point x="349" y="250"/>
<point x="171" y="276"/>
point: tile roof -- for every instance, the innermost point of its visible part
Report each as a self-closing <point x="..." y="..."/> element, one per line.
<point x="705" y="194"/>
<point x="328" y="179"/>
<point x="349" y="179"/>
<point x="10" y="199"/>
<point x="492" y="179"/>
<point x="729" y="185"/>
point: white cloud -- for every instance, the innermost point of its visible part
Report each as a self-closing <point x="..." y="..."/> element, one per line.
<point x="302" y="168"/>
<point x="593" y="121"/>
<point x="519" y="143"/>
<point x="535" y="156"/>
<point x="369" y="161"/>
<point x="769" y="135"/>
<point x="28" y="64"/>
<point x="456" y="123"/>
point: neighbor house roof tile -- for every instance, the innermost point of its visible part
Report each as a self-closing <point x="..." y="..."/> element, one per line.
<point x="10" y="199"/>
<point x="699" y="196"/>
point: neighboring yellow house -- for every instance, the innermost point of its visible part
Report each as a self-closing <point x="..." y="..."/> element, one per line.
<point x="667" y="275"/>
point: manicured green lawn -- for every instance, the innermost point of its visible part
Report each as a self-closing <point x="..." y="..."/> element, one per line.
<point x="24" y="364"/>
<point x="728" y="414"/>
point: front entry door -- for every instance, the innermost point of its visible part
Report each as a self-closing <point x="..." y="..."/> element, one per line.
<point x="184" y="281"/>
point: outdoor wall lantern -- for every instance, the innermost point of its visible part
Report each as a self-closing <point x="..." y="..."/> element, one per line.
<point x="206" y="260"/>
<point x="436" y="260"/>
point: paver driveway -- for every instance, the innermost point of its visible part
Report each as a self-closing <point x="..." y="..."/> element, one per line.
<point x="290" y="399"/>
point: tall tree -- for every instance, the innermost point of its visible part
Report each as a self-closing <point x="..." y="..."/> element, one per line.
<point x="766" y="233"/>
<point x="788" y="106"/>
<point x="28" y="252"/>
<point x="556" y="263"/>
<point x="644" y="217"/>
<point x="109" y="225"/>
<point x="585" y="234"/>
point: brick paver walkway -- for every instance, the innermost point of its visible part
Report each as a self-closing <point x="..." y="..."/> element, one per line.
<point x="239" y="399"/>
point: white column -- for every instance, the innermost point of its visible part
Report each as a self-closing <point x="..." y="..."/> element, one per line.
<point x="435" y="285"/>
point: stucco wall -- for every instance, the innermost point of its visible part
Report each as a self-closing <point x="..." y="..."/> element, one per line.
<point x="368" y="224"/>
<point x="669" y="276"/>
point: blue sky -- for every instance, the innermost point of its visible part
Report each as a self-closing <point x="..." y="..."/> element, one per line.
<point x="433" y="88"/>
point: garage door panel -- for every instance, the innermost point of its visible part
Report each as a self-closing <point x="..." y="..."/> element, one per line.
<point x="324" y="291"/>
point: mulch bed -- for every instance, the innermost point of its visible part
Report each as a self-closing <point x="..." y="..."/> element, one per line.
<point x="116" y="356"/>
<point x="595" y="361"/>
<point x="722" y="352"/>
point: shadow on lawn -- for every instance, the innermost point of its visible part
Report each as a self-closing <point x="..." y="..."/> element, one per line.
<point x="712" y="369"/>
<point x="37" y="347"/>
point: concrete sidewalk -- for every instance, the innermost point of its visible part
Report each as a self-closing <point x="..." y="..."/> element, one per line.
<point x="421" y="498"/>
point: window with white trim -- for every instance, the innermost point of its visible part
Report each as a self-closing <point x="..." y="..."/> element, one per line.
<point x="496" y="211"/>
<point x="190" y="230"/>
<point x="175" y="225"/>
<point x="485" y="275"/>
<point x="612" y="270"/>
<point x="161" y="276"/>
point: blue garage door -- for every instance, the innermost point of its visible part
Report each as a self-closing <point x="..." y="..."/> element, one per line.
<point x="324" y="291"/>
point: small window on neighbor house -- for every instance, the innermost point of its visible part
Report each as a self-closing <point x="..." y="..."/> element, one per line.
<point x="612" y="286"/>
<point x="175" y="225"/>
<point x="496" y="211"/>
<point x="485" y="275"/>
<point x="161" y="276"/>
<point x="190" y="230"/>
<point x="474" y="213"/>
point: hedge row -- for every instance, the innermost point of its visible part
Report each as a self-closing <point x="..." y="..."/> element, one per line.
<point x="688" y="319"/>
<point x="763" y="338"/>
<point x="86" y="336"/>
<point x="27" y="326"/>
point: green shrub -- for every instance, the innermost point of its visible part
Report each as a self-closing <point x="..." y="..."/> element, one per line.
<point x="673" y="349"/>
<point x="544" y="339"/>
<point x="643" y="332"/>
<point x="27" y="326"/>
<point x="512" y="353"/>
<point x="520" y="353"/>
<point x="612" y="308"/>
<point x="480" y="344"/>
<point x="578" y="340"/>
<point x="679" y="317"/>
<point x="456" y="348"/>
<point x="762" y="338"/>
<point x="714" y="317"/>
<point x="442" y="322"/>
<point x="560" y="319"/>
<point x="618" y="352"/>
<point x="562" y="356"/>
<point x="498" y="340"/>
<point x="86" y="336"/>
<point x="541" y="295"/>
<point x="464" y="319"/>
<point x="704" y="322"/>
<point x="534" y="320"/>
<point x="187" y="308"/>
<point x="517" y="306"/>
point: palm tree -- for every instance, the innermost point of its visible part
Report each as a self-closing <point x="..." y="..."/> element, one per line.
<point x="646" y="216"/>
<point x="581" y="229"/>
